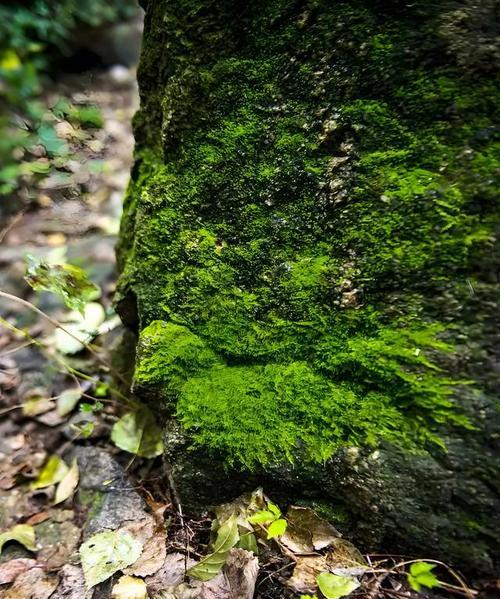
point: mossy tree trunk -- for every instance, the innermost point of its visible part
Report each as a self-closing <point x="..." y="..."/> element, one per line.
<point x="307" y="252"/>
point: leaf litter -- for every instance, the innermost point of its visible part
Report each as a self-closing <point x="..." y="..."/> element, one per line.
<point x="106" y="553"/>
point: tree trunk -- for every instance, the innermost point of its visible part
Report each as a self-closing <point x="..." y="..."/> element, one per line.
<point x="307" y="252"/>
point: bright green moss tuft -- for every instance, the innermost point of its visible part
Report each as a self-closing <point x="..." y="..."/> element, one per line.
<point x="260" y="414"/>
<point x="167" y="355"/>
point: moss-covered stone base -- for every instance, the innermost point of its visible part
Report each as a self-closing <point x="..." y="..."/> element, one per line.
<point x="308" y="251"/>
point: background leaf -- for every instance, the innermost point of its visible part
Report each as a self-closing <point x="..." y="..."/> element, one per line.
<point x="84" y="326"/>
<point x="138" y="433"/>
<point x="130" y="587"/>
<point x="107" y="552"/>
<point x="333" y="586"/>
<point x="22" y="533"/>
<point x="211" y="565"/>
<point x="68" y="484"/>
<point x="67" y="401"/>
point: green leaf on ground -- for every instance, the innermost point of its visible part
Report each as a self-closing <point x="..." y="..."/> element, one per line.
<point x="420" y="575"/>
<point x="48" y="137"/>
<point x="276" y="528"/>
<point x="138" y="433"/>
<point x="333" y="586"/>
<point x="261" y="517"/>
<point x="248" y="542"/>
<point x="21" y="533"/>
<point x="65" y="280"/>
<point x="52" y="473"/>
<point x="227" y="538"/>
<point x="107" y="552"/>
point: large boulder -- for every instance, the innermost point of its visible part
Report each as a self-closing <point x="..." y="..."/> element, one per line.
<point x="308" y="255"/>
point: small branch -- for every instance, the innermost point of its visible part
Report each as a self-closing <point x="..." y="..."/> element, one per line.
<point x="16" y="349"/>
<point x="66" y="368"/>
<point x="176" y="500"/>
<point x="58" y="325"/>
<point x="469" y="593"/>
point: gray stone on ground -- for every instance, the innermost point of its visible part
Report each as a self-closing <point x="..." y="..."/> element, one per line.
<point x="106" y="490"/>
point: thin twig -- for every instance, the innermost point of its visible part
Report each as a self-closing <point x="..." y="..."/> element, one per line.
<point x="11" y="409"/>
<point x="176" y="500"/>
<point x="58" y="325"/>
<point x="8" y="352"/>
<point x="13" y="222"/>
<point x="67" y="369"/>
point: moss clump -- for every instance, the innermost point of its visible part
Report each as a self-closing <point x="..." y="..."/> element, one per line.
<point x="312" y="199"/>
<point x="385" y="388"/>
<point x="167" y="355"/>
<point x="259" y="414"/>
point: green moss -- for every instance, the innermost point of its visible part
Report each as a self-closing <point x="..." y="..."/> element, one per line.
<point x="260" y="414"/>
<point x="317" y="184"/>
<point x="168" y="355"/>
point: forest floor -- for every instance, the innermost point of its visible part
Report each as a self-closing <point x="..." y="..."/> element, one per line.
<point x="62" y="480"/>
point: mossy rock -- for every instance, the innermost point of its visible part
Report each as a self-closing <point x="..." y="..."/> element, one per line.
<point x="308" y="253"/>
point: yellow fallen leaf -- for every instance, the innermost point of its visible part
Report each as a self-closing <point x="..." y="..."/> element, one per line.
<point x="53" y="472"/>
<point x="67" y="486"/>
<point x="21" y="533"/>
<point x="130" y="587"/>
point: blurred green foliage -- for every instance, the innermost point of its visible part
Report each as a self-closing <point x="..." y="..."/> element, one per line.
<point x="33" y="34"/>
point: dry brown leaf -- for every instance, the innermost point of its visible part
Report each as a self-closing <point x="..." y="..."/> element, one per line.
<point x="32" y="584"/>
<point x="171" y="574"/>
<point x="154" y="547"/>
<point x="38" y="518"/>
<point x="237" y="580"/>
<point x="72" y="584"/>
<point x="10" y="570"/>
<point x="346" y="560"/>
<point x="306" y="531"/>
<point x="303" y="579"/>
<point x="343" y="559"/>
<point x="58" y="538"/>
<point x="241" y="570"/>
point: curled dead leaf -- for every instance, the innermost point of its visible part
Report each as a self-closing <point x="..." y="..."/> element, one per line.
<point x="303" y="579"/>
<point x="307" y="532"/>
<point x="154" y="547"/>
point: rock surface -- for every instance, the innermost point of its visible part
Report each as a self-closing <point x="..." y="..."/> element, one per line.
<point x="307" y="251"/>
